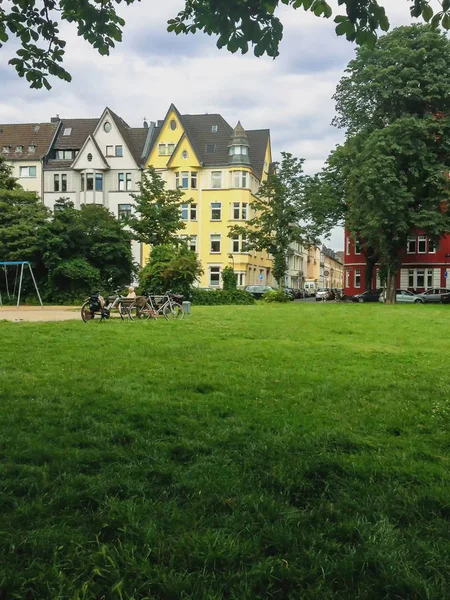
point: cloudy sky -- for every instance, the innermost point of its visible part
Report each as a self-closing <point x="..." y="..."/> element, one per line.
<point x="291" y="95"/>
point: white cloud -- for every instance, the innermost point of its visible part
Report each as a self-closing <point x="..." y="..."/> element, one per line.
<point x="151" y="68"/>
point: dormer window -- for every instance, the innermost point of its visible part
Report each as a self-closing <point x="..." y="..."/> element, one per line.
<point x="32" y="149"/>
<point x="19" y="149"/>
<point x="210" y="148"/>
<point x="6" y="149"/>
<point x="67" y="131"/>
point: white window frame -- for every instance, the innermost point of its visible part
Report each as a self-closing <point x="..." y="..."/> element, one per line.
<point x="422" y="239"/>
<point x="357" y="247"/>
<point x="120" y="212"/>
<point x="429" y="277"/>
<point x="56" y="182"/>
<point x="411" y="277"/>
<point x="219" y="208"/>
<point x="128" y="182"/>
<point x="185" y="212"/>
<point x="170" y="149"/>
<point x="244" y="211"/>
<point x="411" y="240"/>
<point x="24" y="172"/>
<point x="217" y="238"/>
<point x="109" y="150"/>
<point x="121" y="182"/>
<point x="211" y="284"/>
<point x="235" y="244"/>
<point x="64" y="182"/>
<point x="215" y="180"/>
<point x="193" y="212"/>
<point x="162" y="149"/>
<point x="192" y="243"/>
<point x="357" y="279"/>
<point x="347" y="278"/>
<point x="118" y="153"/>
<point x="347" y="245"/>
<point x="194" y="180"/>
<point x="417" y="278"/>
<point x="236" y="210"/>
<point x="432" y="246"/>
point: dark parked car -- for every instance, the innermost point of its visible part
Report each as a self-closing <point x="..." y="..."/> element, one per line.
<point x="293" y="293"/>
<point x="372" y="296"/>
<point x="435" y="296"/>
<point x="257" y="291"/>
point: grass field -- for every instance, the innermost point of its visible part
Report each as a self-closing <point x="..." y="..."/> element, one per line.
<point x="297" y="451"/>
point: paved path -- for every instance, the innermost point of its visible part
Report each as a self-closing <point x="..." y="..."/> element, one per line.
<point x="36" y="313"/>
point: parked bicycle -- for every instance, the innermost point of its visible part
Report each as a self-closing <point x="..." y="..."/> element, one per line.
<point x="97" y="307"/>
<point x="152" y="306"/>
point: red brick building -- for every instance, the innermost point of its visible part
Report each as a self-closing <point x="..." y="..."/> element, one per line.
<point x="423" y="265"/>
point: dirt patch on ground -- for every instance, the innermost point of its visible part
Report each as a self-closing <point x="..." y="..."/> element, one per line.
<point x="36" y="313"/>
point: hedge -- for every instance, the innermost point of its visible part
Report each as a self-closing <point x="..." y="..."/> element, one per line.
<point x="214" y="297"/>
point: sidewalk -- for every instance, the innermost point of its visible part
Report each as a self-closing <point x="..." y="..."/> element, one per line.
<point x="36" y="313"/>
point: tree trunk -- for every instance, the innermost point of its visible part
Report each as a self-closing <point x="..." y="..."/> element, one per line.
<point x="391" y="287"/>
<point x="371" y="260"/>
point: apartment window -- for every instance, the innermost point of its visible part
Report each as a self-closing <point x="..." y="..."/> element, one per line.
<point x="210" y="148"/>
<point x="244" y="211"/>
<point x="56" y="183"/>
<point x="357" y="278"/>
<point x="109" y="150"/>
<point x="119" y="150"/>
<point x="429" y="278"/>
<point x="194" y="180"/>
<point x="6" y="149"/>
<point x="192" y="243"/>
<point x="431" y="247"/>
<point x="422" y="245"/>
<point x="214" y="276"/>
<point x="236" y="210"/>
<point x="184" y="179"/>
<point x="89" y="182"/>
<point x="420" y="278"/>
<point x="67" y="131"/>
<point x="162" y="149"/>
<point x="128" y="181"/>
<point x="235" y="243"/>
<point x="64" y="183"/>
<point x="19" y="149"/>
<point x="121" y="181"/>
<point x="124" y="211"/>
<point x="215" y="243"/>
<point x="411" y="278"/>
<point x="65" y="154"/>
<point x="241" y="279"/>
<point x="239" y="179"/>
<point x="170" y="148"/>
<point x="216" y="180"/>
<point x="99" y="182"/>
<point x="347" y="279"/>
<point x="347" y="245"/>
<point x="214" y="129"/>
<point x="27" y="171"/>
<point x="357" y="247"/>
<point x="185" y="212"/>
<point x="193" y="208"/>
<point x="82" y="182"/>
<point x="32" y="149"/>
<point x="216" y="211"/>
<point x="411" y="245"/>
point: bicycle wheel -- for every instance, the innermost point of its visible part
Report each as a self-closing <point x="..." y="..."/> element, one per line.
<point x="140" y="311"/>
<point x="124" y="311"/>
<point x="174" y="311"/>
<point x="87" y="314"/>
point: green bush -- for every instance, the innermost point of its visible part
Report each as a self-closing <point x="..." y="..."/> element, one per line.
<point x="215" y="297"/>
<point x="276" y="296"/>
<point x="229" y="279"/>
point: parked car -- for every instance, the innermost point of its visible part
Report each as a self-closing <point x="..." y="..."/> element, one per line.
<point x="324" y="294"/>
<point x="372" y="296"/>
<point x="434" y="296"/>
<point x="257" y="291"/>
<point x="292" y="293"/>
<point x="402" y="297"/>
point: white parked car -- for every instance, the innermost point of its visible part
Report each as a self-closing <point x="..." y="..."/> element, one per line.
<point x="322" y="294"/>
<point x="403" y="297"/>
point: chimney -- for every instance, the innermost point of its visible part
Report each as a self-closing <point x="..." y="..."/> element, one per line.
<point x="55" y="119"/>
<point x="160" y="123"/>
<point x="145" y="123"/>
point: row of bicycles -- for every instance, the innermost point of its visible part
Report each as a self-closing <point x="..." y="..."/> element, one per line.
<point x="148" y="306"/>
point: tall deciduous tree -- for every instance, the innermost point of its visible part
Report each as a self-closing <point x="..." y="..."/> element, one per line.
<point x="279" y="210"/>
<point x="158" y="211"/>
<point x="7" y="181"/>
<point x="238" y="24"/>
<point x="391" y="175"/>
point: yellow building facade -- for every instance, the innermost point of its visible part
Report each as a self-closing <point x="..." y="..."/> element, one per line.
<point x="219" y="169"/>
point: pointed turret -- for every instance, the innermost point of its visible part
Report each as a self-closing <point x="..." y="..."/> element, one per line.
<point x="238" y="147"/>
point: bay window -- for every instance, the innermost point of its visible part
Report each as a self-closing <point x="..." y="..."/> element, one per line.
<point x="216" y="180"/>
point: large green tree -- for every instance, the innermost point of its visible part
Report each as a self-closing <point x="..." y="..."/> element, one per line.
<point x="278" y="210"/>
<point x="157" y="220"/>
<point x="391" y="174"/>
<point x="238" y="25"/>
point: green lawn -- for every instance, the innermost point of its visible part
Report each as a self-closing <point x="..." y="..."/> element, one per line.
<point x="297" y="451"/>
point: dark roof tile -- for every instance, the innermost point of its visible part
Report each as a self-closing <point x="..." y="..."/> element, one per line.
<point x="80" y="129"/>
<point x="27" y="134"/>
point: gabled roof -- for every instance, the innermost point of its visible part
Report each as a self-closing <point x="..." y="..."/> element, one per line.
<point x="199" y="131"/>
<point x="90" y="138"/>
<point x="134" y="137"/>
<point x="80" y="129"/>
<point x="27" y="134"/>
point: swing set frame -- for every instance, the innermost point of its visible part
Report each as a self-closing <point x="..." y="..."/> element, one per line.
<point x="22" y="265"/>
